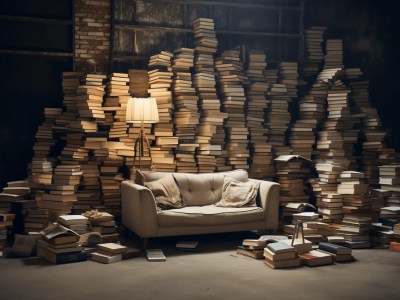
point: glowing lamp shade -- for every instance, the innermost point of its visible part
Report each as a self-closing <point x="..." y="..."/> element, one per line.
<point x="142" y="110"/>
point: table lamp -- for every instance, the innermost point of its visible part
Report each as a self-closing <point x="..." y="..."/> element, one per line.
<point x="141" y="110"/>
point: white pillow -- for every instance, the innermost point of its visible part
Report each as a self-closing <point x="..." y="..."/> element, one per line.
<point x="238" y="194"/>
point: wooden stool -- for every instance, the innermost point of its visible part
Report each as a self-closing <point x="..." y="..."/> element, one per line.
<point x="298" y="230"/>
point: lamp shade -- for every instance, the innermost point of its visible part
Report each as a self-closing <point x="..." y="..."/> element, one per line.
<point x="141" y="110"/>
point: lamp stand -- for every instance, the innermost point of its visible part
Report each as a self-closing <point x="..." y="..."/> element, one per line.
<point x="139" y="147"/>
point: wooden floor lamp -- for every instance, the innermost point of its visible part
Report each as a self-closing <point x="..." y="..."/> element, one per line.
<point x="141" y="110"/>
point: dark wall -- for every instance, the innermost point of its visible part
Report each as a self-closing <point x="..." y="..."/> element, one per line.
<point x="28" y="83"/>
<point x="370" y="31"/>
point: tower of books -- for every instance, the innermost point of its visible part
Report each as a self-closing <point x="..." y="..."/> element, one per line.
<point x="160" y="80"/>
<point x="186" y="115"/>
<point x="230" y="85"/>
<point x="260" y="160"/>
<point x="210" y="155"/>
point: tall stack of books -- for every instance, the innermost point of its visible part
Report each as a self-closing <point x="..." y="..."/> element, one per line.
<point x="313" y="54"/>
<point x="329" y="202"/>
<point x="260" y="160"/>
<point x="117" y="89"/>
<point x="230" y="80"/>
<point x="59" y="245"/>
<point x="90" y="97"/>
<point x="160" y="80"/>
<point x="278" y="117"/>
<point x="111" y="175"/>
<point x="281" y="255"/>
<point x="210" y="132"/>
<point x="311" y="112"/>
<point x="186" y="115"/>
<point x="288" y="75"/>
<point x="293" y="172"/>
<point x="60" y="196"/>
<point x="138" y="83"/>
<point x="334" y="54"/>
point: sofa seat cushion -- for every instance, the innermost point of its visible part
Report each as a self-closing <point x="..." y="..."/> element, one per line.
<point x="209" y="215"/>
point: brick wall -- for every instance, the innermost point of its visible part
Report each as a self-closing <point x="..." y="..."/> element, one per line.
<point x="92" y="35"/>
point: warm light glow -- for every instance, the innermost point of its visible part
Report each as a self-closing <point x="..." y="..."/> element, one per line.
<point x="142" y="110"/>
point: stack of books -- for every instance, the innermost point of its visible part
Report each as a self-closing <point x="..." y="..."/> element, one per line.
<point x="77" y="223"/>
<point x="6" y="224"/>
<point x="253" y="248"/>
<point x="103" y="223"/>
<point x="260" y="160"/>
<point x="340" y="253"/>
<point x="59" y="245"/>
<point x="11" y="193"/>
<point x="279" y="118"/>
<point x="288" y="75"/>
<point x="355" y="230"/>
<point x="293" y="172"/>
<point x="313" y="54"/>
<point x="315" y="258"/>
<point x="186" y="114"/>
<point x="389" y="178"/>
<point x="281" y="255"/>
<point x="381" y="235"/>
<point x="334" y="54"/>
<point x="230" y="85"/>
<point x="160" y="80"/>
<point x="210" y="134"/>
<point x="89" y="97"/>
<point x="109" y="253"/>
<point x="36" y="220"/>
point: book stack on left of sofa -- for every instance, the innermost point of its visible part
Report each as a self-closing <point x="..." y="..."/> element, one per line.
<point x="59" y="244"/>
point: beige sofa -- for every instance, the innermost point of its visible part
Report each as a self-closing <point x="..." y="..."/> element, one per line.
<point x="200" y="215"/>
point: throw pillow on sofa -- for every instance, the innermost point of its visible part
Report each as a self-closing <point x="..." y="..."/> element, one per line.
<point x="166" y="192"/>
<point x="238" y="194"/>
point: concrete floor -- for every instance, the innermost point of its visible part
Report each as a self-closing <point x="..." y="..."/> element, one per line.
<point x="214" y="271"/>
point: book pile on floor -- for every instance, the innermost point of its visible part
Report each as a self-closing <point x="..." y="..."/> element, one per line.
<point x="108" y="253"/>
<point x="6" y="224"/>
<point x="281" y="255"/>
<point x="313" y="55"/>
<point x="155" y="255"/>
<point x="59" y="245"/>
<point x="356" y="207"/>
<point x="252" y="248"/>
<point x="210" y="132"/>
<point x="103" y="223"/>
<point x="339" y="252"/>
<point x="160" y="80"/>
<point x="381" y="235"/>
<point x="186" y="115"/>
<point x="230" y="85"/>
<point x="315" y="258"/>
<point x="260" y="160"/>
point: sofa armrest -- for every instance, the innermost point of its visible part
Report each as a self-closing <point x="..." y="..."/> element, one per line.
<point x="139" y="210"/>
<point x="269" y="196"/>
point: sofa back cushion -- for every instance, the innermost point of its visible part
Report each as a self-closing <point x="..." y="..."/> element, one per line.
<point x="199" y="189"/>
<point x="205" y="189"/>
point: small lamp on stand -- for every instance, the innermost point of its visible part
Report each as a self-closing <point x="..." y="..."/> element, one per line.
<point x="141" y="110"/>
